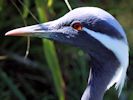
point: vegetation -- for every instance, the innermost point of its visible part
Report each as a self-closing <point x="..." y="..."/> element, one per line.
<point x="52" y="71"/>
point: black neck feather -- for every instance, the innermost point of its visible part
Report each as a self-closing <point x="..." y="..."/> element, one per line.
<point x="101" y="72"/>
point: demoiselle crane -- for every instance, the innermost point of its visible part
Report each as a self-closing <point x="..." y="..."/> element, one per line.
<point x="100" y="35"/>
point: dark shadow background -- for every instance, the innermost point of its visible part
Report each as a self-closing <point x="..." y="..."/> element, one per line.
<point x="31" y="78"/>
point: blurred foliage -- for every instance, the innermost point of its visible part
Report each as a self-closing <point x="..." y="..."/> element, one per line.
<point x="32" y="78"/>
<point x="50" y="53"/>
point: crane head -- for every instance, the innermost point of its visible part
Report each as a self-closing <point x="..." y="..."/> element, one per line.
<point x="92" y="29"/>
<point x="71" y="28"/>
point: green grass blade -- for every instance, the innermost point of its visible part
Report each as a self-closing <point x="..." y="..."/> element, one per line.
<point x="1" y="4"/>
<point x="52" y="61"/>
<point x="11" y="85"/>
<point x="25" y="8"/>
<point x="50" y="52"/>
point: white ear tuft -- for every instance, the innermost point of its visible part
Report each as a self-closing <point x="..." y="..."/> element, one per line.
<point x="120" y="50"/>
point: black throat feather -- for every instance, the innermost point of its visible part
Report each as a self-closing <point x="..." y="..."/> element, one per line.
<point x="103" y="68"/>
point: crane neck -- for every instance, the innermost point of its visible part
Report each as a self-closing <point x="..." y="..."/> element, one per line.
<point x="101" y="72"/>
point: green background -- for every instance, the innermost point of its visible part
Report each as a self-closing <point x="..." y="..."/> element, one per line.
<point x="52" y="71"/>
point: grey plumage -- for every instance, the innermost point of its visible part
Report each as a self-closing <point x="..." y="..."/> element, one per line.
<point x="101" y="36"/>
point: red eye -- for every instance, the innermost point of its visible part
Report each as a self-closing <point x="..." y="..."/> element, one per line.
<point x="77" y="26"/>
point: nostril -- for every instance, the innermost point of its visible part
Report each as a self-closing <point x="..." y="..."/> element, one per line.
<point x="41" y="28"/>
<point x="38" y="29"/>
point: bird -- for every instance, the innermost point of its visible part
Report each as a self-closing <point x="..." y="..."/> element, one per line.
<point x="97" y="33"/>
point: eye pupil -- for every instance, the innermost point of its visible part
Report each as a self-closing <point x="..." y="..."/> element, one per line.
<point x="77" y="26"/>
